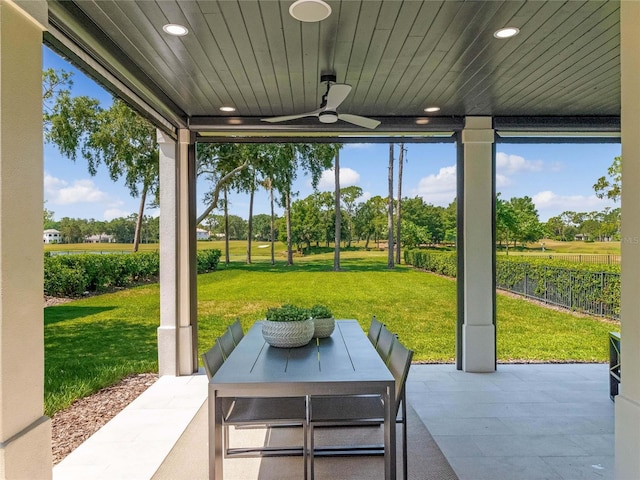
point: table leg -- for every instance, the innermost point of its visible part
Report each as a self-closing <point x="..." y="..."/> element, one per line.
<point x="215" y="435"/>
<point x="389" y="435"/>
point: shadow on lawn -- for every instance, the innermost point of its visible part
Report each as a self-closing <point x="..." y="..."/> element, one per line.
<point x="61" y="313"/>
<point x="307" y="266"/>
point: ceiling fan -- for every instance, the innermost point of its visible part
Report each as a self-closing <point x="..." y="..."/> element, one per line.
<point x="327" y="113"/>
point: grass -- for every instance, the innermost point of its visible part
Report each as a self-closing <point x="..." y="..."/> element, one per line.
<point x="93" y="342"/>
<point x="569" y="248"/>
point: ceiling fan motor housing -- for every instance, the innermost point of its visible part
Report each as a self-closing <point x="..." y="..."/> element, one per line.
<point x="328" y="116"/>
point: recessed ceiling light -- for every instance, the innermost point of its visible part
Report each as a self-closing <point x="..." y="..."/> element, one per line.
<point x="432" y="109"/>
<point x="506" y="32"/>
<point x="175" y="29"/>
<point x="422" y="121"/>
<point x="309" y="10"/>
<point x="228" y="109"/>
<point x="234" y="121"/>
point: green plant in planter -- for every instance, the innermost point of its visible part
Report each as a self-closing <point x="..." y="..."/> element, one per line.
<point x="287" y="326"/>
<point x="287" y="313"/>
<point x="320" y="311"/>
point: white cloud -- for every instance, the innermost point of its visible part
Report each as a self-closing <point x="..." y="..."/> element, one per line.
<point x="364" y="197"/>
<point x="502" y="180"/>
<point x="348" y="177"/>
<point x="111" y="213"/>
<point x="359" y="146"/>
<point x="509" y="164"/>
<point x="60" y="192"/>
<point x="438" y="189"/>
<point x="550" y="200"/>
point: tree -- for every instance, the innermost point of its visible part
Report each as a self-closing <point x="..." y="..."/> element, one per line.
<point x="505" y="221"/>
<point x="338" y="219"/>
<point x="399" y="212"/>
<point x="116" y="137"/>
<point x="47" y="220"/>
<point x="528" y="228"/>
<point x="349" y="196"/>
<point x="390" y="258"/>
<point x="610" y="187"/>
<point x="283" y="161"/>
<point x="262" y="227"/>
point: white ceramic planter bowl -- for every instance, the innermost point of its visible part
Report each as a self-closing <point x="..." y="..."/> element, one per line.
<point x="287" y="334"/>
<point x="323" y="327"/>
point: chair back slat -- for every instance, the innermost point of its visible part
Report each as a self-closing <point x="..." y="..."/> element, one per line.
<point x="227" y="344"/>
<point x="236" y="331"/>
<point x="399" y="363"/>
<point x="374" y="331"/>
<point x="385" y="342"/>
<point x="212" y="360"/>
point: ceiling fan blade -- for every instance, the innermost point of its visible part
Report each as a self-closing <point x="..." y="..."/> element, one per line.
<point x="337" y="93"/>
<point x="284" y="118"/>
<point x="358" y="120"/>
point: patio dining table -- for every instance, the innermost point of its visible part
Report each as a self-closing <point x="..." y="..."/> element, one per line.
<point x="346" y="363"/>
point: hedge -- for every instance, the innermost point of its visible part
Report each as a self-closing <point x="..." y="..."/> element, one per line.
<point x="73" y="275"/>
<point x="591" y="288"/>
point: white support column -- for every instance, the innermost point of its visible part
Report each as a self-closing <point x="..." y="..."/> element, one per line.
<point x="627" y="425"/>
<point x="25" y="433"/>
<point x="177" y="334"/>
<point x="478" y="331"/>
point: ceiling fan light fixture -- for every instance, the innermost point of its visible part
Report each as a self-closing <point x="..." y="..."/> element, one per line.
<point x="175" y="29"/>
<point x="328" y="116"/>
<point x="309" y="10"/>
<point x="506" y="32"/>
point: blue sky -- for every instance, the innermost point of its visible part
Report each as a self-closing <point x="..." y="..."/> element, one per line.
<point x="558" y="177"/>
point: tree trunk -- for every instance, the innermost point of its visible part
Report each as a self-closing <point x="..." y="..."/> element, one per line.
<point x="143" y="199"/>
<point x="366" y="243"/>
<point x="273" y="230"/>
<point x="398" y="214"/>
<point x="390" y="263"/>
<point x="287" y="212"/>
<point x="336" y="248"/>
<point x="250" y="222"/>
<point x="226" y="228"/>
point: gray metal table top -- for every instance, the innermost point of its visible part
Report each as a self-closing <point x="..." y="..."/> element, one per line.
<point x="344" y="363"/>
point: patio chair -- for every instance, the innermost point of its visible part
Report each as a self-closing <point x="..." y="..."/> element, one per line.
<point x="236" y="331"/>
<point x="362" y="410"/>
<point x="263" y="411"/>
<point x="226" y="343"/>
<point x="385" y="343"/>
<point x="374" y="331"/>
<point x="212" y="360"/>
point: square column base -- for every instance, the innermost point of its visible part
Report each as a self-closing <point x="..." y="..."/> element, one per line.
<point x="175" y="348"/>
<point x="478" y="343"/>
<point x="28" y="454"/>
<point x="627" y="428"/>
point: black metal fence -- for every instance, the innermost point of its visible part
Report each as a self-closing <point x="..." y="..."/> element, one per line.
<point x="595" y="293"/>
<point x="592" y="258"/>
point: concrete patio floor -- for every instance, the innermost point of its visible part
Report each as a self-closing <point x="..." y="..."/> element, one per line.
<point x="523" y="422"/>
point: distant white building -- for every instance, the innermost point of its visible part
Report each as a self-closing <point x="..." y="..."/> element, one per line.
<point x="202" y="234"/>
<point x="52" y="235"/>
<point x="102" y="238"/>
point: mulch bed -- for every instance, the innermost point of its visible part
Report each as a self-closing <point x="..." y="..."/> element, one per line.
<point x="72" y="426"/>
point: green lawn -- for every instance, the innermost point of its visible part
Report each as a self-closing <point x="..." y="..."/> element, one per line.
<point x="93" y="342"/>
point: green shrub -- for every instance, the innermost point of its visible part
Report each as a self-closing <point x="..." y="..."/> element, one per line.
<point x="287" y="313"/>
<point x="208" y="260"/>
<point x="320" y="311"/>
<point x="72" y="275"/>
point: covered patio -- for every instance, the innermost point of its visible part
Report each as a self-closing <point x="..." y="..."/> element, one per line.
<point x="570" y="75"/>
<point x="524" y="421"/>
